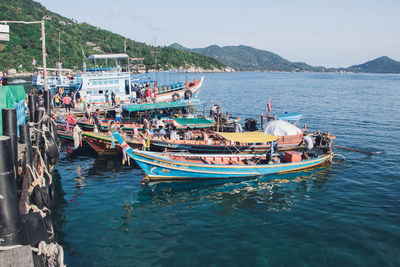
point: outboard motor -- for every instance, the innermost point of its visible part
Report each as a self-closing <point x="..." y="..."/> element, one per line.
<point x="250" y="125"/>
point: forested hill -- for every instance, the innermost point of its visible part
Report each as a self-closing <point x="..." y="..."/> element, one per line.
<point x="246" y="58"/>
<point x="378" y="65"/>
<point x="78" y="39"/>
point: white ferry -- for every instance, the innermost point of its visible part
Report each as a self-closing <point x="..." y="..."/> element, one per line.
<point x="111" y="72"/>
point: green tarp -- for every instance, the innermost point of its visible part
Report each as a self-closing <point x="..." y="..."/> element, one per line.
<point x="9" y="96"/>
<point x="164" y="105"/>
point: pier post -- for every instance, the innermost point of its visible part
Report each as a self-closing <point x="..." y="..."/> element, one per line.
<point x="47" y="101"/>
<point x="25" y="138"/>
<point x="10" y="225"/>
<point x="32" y="107"/>
<point x="10" y="129"/>
<point x="39" y="113"/>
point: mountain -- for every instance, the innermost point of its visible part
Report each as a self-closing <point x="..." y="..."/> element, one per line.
<point x="380" y="65"/>
<point x="78" y="40"/>
<point x="246" y="58"/>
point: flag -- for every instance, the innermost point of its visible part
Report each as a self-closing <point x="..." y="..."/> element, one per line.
<point x="34" y="62"/>
<point x="269" y="106"/>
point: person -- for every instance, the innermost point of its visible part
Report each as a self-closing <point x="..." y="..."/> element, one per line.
<point x="72" y="94"/>
<point x="159" y="123"/>
<point x="148" y="95"/>
<point x="96" y="119"/>
<point x="188" y="134"/>
<point x="67" y="102"/>
<point x="318" y="139"/>
<point x="118" y="112"/>
<point x="88" y="112"/>
<point x="135" y="130"/>
<point x="204" y="136"/>
<point x="106" y="97"/>
<point x="57" y="99"/>
<point x="173" y="135"/>
<point x="162" y="131"/>
<point x="308" y="143"/>
<point x="146" y="125"/>
<point x="237" y="127"/>
<point x="113" y="103"/>
<point x="78" y="97"/>
<point x="133" y="100"/>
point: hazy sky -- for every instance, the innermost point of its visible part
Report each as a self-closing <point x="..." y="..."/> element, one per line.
<point x="330" y="33"/>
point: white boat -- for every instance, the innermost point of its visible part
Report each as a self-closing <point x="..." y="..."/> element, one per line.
<point x="111" y="72"/>
<point x="56" y="78"/>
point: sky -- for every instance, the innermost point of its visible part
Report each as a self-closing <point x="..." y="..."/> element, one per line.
<point x="330" y="33"/>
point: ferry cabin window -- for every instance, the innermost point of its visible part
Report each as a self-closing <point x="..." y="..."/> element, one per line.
<point x="100" y="92"/>
<point x="94" y="82"/>
<point x="100" y="82"/>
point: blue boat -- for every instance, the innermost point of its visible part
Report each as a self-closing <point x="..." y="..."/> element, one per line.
<point x="184" y="166"/>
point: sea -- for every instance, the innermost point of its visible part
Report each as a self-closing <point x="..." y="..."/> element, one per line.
<point x="343" y="214"/>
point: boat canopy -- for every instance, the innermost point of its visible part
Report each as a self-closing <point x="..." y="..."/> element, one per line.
<point x="194" y="122"/>
<point x="162" y="105"/>
<point x="248" y="137"/>
<point x="290" y="116"/>
<point x="107" y="56"/>
<point x="281" y="128"/>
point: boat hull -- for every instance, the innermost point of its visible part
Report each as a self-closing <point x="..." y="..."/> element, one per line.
<point x="158" y="167"/>
<point x="163" y="169"/>
<point x="101" y="143"/>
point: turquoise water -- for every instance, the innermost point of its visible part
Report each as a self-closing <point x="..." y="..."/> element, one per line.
<point x="345" y="214"/>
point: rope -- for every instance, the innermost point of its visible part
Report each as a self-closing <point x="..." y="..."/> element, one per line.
<point x="53" y="251"/>
<point x="44" y="165"/>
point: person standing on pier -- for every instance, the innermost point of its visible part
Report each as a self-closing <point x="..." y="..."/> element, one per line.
<point x="67" y="102"/>
<point x="113" y="103"/>
<point x="106" y="98"/>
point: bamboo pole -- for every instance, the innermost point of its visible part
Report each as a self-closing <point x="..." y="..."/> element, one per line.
<point x="44" y="56"/>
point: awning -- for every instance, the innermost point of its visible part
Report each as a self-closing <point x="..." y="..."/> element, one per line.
<point x="163" y="105"/>
<point x="249" y="137"/>
<point x="107" y="56"/>
<point x="195" y="122"/>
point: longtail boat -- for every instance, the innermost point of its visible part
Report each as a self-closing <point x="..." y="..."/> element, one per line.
<point x="183" y="166"/>
<point x="102" y="143"/>
<point x="223" y="142"/>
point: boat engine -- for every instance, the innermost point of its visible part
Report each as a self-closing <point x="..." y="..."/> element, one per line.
<point x="250" y="125"/>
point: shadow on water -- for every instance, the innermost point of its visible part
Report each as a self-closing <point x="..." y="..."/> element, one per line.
<point x="271" y="192"/>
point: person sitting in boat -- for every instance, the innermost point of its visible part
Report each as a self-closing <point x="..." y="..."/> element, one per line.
<point x="188" y="134"/>
<point x="159" y="123"/>
<point x="88" y="112"/>
<point x="173" y="135"/>
<point x="118" y="112"/>
<point x="318" y="139"/>
<point x="161" y="132"/>
<point x="308" y="143"/>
